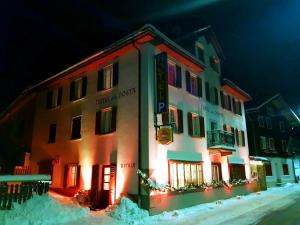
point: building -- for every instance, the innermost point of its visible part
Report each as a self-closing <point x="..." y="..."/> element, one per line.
<point x="144" y="104"/>
<point x="269" y="127"/>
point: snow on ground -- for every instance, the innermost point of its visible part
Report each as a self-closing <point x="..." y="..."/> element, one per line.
<point x="241" y="210"/>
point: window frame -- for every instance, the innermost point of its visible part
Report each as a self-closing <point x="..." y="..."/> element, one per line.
<point x="72" y="127"/>
<point x="269" y="123"/>
<point x="261" y="121"/>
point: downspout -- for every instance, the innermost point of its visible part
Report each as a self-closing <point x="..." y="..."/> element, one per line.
<point x="139" y="120"/>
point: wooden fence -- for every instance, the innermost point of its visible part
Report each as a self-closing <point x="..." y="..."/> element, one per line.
<point x="20" y="192"/>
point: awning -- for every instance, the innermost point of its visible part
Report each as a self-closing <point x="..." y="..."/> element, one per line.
<point x="184" y="156"/>
<point x="235" y="160"/>
<point x="258" y="158"/>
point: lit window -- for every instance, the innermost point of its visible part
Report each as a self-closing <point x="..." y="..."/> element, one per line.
<point x="216" y="172"/>
<point x="193" y="84"/>
<point x="172" y="73"/>
<point x="173" y="118"/>
<point x="78" y="88"/>
<point x="261" y="121"/>
<point x="196" y="125"/>
<point x="106" y="178"/>
<point x="106" y="120"/>
<point x="73" y="175"/>
<point x="185" y="173"/>
<point x="107" y="77"/>
<point x="76" y="128"/>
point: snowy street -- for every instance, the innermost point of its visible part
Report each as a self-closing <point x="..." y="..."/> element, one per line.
<point x="250" y="209"/>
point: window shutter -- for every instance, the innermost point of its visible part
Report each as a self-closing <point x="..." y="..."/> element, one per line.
<point x="66" y="169"/>
<point x="243" y="138"/>
<point x="216" y="96"/>
<point x="178" y="76"/>
<point x="207" y="91"/>
<point x="199" y="86"/>
<point x="232" y="131"/>
<point x="229" y="103"/>
<point x="222" y="99"/>
<point x="49" y="99"/>
<point x="240" y="107"/>
<point x="100" y="80"/>
<point x="165" y="118"/>
<point x="180" y="120"/>
<point x="78" y="177"/>
<point x="190" y="124"/>
<point x="237" y="137"/>
<point x="188" y="81"/>
<point x="114" y="119"/>
<point x="115" y="73"/>
<point x="84" y="86"/>
<point x="98" y="123"/>
<point x="59" y="96"/>
<point x="72" y="91"/>
<point x="233" y="105"/>
<point x="202" y="126"/>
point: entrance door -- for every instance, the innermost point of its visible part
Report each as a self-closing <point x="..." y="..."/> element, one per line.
<point x="108" y="185"/>
<point x="216" y="172"/>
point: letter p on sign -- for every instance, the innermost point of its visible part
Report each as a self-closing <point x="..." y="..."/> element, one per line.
<point x="161" y="107"/>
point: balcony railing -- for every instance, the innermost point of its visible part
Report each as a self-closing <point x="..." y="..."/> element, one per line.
<point x="220" y="138"/>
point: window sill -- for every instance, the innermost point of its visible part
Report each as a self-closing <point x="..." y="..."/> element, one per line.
<point x="105" y="90"/>
<point x="78" y="100"/>
<point x="103" y="134"/>
<point x="76" y="139"/>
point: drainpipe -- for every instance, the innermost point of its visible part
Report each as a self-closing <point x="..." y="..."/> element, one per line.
<point x="139" y="120"/>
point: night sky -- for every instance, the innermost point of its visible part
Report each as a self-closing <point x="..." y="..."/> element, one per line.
<point x="260" y="38"/>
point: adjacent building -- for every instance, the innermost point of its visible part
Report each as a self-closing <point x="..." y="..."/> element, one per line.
<point x="146" y="104"/>
<point x="269" y="127"/>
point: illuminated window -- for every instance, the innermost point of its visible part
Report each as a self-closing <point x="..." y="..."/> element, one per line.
<point x="172" y="73"/>
<point x="175" y="118"/>
<point x="193" y="84"/>
<point x="108" y="77"/>
<point x="261" y="122"/>
<point x="269" y="123"/>
<point x="73" y="175"/>
<point x="185" y="173"/>
<point x="285" y="169"/>
<point x="216" y="172"/>
<point x="106" y="120"/>
<point x="196" y="125"/>
<point x="78" y="88"/>
<point x="263" y="142"/>
<point x="281" y="126"/>
<point x="54" y="98"/>
<point x="106" y="178"/>
<point x="76" y="128"/>
<point x="237" y="171"/>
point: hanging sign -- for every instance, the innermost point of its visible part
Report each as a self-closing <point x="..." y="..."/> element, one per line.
<point x="165" y="135"/>
<point x="161" y="82"/>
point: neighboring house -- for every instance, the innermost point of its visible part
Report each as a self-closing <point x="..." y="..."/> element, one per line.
<point x="269" y="128"/>
<point x="144" y="103"/>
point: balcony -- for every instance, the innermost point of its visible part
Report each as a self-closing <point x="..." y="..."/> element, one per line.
<point x="220" y="141"/>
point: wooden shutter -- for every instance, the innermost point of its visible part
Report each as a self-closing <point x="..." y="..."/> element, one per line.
<point x="180" y="120"/>
<point x="233" y="105"/>
<point x="114" y="119"/>
<point x="232" y="131"/>
<point x="216" y="96"/>
<point x="237" y="137"/>
<point x="222" y="99"/>
<point x="115" y="73"/>
<point x="188" y="81"/>
<point x="199" y="86"/>
<point x="59" y="96"/>
<point x="78" y="177"/>
<point x="165" y="118"/>
<point x="72" y="91"/>
<point x="178" y="77"/>
<point x="229" y="103"/>
<point x="98" y="123"/>
<point x="240" y="107"/>
<point x="202" y="126"/>
<point x="95" y="185"/>
<point x="243" y="138"/>
<point x="112" y="184"/>
<point x="190" y="123"/>
<point x="84" y="86"/>
<point x="49" y="99"/>
<point x="66" y="170"/>
<point x="100" y="80"/>
<point x="207" y="91"/>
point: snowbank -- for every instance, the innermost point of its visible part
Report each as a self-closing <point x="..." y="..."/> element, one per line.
<point x="42" y="210"/>
<point x="128" y="212"/>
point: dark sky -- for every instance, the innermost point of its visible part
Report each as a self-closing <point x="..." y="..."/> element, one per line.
<point x="260" y="38"/>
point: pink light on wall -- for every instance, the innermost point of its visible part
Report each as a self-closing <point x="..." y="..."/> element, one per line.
<point x="120" y="184"/>
<point x="87" y="176"/>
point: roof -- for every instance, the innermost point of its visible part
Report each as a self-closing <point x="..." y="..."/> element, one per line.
<point x="278" y="102"/>
<point x="146" y="33"/>
<point x="235" y="90"/>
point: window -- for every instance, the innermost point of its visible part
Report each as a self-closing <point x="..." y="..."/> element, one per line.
<point x="283" y="146"/>
<point x="281" y="126"/>
<point x="271" y="144"/>
<point x="216" y="172"/>
<point x="196" y="125"/>
<point x="193" y="84"/>
<point x="268" y="169"/>
<point x="106" y="120"/>
<point x="174" y="74"/>
<point x="207" y="91"/>
<point x="237" y="171"/>
<point x="52" y="133"/>
<point x="78" y="88"/>
<point x="225" y="101"/>
<point x="183" y="174"/>
<point x="269" y="123"/>
<point x="76" y="127"/>
<point x="214" y="63"/>
<point x="261" y="122"/>
<point x="73" y="175"/>
<point x="108" y="77"/>
<point x="285" y="169"/>
<point x="200" y="52"/>
<point x="262" y="142"/>
<point x="212" y="94"/>
<point x="175" y="119"/>
<point x="54" y="98"/>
